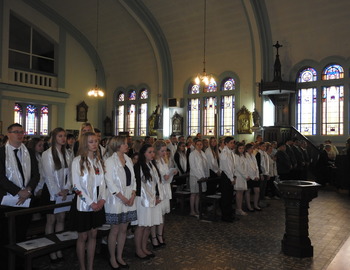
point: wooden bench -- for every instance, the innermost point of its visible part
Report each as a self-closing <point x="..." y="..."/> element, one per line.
<point x="204" y="198"/>
<point x="181" y="196"/>
<point x="28" y="255"/>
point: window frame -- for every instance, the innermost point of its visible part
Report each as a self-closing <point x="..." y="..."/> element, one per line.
<point x="38" y="118"/>
<point x="140" y="125"/>
<point x="218" y="94"/>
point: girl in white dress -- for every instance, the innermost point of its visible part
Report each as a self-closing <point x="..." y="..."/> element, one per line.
<point x="120" y="207"/>
<point x="56" y="163"/>
<point x="149" y="195"/>
<point x="166" y="176"/>
<point x="241" y="181"/>
<point x="87" y="211"/>
<point x="253" y="178"/>
<point x="212" y="155"/>
<point x="198" y="169"/>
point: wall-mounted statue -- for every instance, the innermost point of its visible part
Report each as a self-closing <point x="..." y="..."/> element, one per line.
<point x="256" y="118"/>
<point x="154" y="121"/>
<point x="177" y="124"/>
<point x="244" y="121"/>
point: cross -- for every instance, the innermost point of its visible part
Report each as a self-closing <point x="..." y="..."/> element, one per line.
<point x="277" y="46"/>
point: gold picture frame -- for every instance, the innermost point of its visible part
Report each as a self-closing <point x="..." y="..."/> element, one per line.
<point x="244" y="121"/>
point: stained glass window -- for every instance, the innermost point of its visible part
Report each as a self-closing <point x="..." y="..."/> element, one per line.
<point x="212" y="86"/>
<point x="120" y="118"/>
<point x="227" y="112"/>
<point x="333" y="72"/>
<point x="31" y="120"/>
<point x="229" y="84"/>
<point x="307" y="75"/>
<point x="333" y="110"/>
<point x="143" y="119"/>
<point x="44" y="121"/>
<point x="307" y="105"/>
<point x="131" y="112"/>
<point x="131" y="119"/>
<point x="209" y="117"/>
<point x="18" y="113"/>
<point x="132" y="95"/>
<point x="195" y="89"/>
<point x="193" y="116"/>
<point x="121" y="97"/>
<point x="35" y="119"/>
<point x="144" y="94"/>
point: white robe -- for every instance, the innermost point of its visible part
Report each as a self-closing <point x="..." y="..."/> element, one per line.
<point x="56" y="180"/>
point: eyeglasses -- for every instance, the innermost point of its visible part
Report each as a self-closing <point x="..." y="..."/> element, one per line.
<point x="16" y="132"/>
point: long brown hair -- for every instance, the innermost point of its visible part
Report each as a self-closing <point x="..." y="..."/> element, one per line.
<point x="56" y="159"/>
<point x="214" y="149"/>
<point x="83" y="152"/>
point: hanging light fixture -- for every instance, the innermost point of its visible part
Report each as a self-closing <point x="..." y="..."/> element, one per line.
<point x="204" y="78"/>
<point x="96" y="91"/>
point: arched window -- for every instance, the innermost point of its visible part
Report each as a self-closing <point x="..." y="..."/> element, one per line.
<point x="333" y="110"/>
<point x="120" y="113"/>
<point x="35" y="119"/>
<point x="333" y="102"/>
<point x="320" y="101"/>
<point x="143" y="113"/>
<point x="44" y="121"/>
<point x="132" y="112"/>
<point x="210" y="111"/>
<point x="18" y="111"/>
<point x="333" y="72"/>
<point x="227" y="108"/>
<point x="307" y="102"/>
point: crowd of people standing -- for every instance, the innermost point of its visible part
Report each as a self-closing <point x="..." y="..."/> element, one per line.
<point x="129" y="182"/>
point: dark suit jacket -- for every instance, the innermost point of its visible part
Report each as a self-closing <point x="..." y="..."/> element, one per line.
<point x="6" y="185"/>
<point x="283" y="162"/>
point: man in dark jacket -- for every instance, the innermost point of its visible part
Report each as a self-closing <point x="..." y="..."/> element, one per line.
<point x="284" y="165"/>
<point x="19" y="175"/>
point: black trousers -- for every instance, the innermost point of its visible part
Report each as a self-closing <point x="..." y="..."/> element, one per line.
<point x="226" y="189"/>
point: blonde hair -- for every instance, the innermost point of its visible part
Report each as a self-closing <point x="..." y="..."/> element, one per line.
<point x="83" y="152"/>
<point x="158" y="145"/>
<point x="115" y="143"/>
<point x="84" y="125"/>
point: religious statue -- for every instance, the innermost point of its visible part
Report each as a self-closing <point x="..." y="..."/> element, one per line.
<point x="154" y="121"/>
<point x="177" y="123"/>
<point x="256" y="118"/>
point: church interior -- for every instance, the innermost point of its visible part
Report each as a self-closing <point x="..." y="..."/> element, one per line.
<point x="264" y="67"/>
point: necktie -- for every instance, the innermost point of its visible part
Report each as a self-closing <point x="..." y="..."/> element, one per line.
<point x="19" y="165"/>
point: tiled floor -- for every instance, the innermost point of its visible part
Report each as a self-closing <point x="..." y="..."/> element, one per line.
<point x="254" y="242"/>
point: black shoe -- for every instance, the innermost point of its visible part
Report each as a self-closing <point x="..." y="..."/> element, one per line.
<point x="161" y="244"/>
<point x="152" y="255"/>
<point x="257" y="209"/>
<point x="142" y="258"/>
<point x="114" y="268"/>
<point x="153" y="245"/>
<point x="126" y="266"/>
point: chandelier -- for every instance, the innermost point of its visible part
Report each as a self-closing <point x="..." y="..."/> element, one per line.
<point x="96" y="91"/>
<point x="204" y="78"/>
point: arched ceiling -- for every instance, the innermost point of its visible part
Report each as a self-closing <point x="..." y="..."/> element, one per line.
<point x="296" y="24"/>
